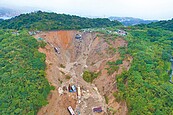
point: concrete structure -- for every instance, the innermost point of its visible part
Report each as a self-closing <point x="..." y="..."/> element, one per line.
<point x="78" y="92"/>
<point x="60" y="91"/>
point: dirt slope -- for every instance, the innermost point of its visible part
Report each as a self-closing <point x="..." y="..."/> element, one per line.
<point x="66" y="67"/>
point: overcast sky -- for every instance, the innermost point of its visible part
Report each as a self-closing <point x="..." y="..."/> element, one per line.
<point x="146" y="9"/>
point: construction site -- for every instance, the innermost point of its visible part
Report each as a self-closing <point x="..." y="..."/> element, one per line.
<point x="68" y="55"/>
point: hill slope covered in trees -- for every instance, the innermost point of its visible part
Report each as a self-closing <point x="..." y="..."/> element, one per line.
<point x="23" y="86"/>
<point x="146" y="87"/>
<point x="52" y="21"/>
<point x="166" y="25"/>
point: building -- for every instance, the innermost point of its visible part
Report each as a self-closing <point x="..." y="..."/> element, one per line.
<point x="122" y="32"/>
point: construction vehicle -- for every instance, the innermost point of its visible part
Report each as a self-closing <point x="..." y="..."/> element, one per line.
<point x="71" y="110"/>
<point x="78" y="36"/>
<point x="57" y="50"/>
<point x="73" y="88"/>
<point x="97" y="109"/>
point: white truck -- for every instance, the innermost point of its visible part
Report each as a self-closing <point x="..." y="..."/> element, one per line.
<point x="71" y="110"/>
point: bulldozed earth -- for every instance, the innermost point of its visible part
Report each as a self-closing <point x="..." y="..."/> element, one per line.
<point x="67" y="57"/>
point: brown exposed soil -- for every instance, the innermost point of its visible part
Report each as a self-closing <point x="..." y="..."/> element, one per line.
<point x="66" y="67"/>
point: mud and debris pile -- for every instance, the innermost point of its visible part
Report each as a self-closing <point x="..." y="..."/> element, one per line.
<point x="68" y="55"/>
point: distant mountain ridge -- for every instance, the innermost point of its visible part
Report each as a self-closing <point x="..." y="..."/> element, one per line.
<point x="6" y="13"/>
<point x="52" y="21"/>
<point x="129" y="21"/>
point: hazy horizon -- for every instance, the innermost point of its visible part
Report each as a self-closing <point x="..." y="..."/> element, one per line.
<point x="150" y="10"/>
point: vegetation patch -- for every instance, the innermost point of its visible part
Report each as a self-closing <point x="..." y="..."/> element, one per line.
<point x="42" y="44"/>
<point x="90" y="76"/>
<point x="113" y="66"/>
<point x="112" y="69"/>
<point x="106" y="99"/>
<point x="111" y="50"/>
<point x="62" y="66"/>
<point x="122" y="51"/>
<point x="67" y="77"/>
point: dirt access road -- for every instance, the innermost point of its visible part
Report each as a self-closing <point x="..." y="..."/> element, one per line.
<point x="66" y="67"/>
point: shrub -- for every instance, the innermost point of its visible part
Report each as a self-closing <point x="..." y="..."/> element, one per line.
<point x="89" y="76"/>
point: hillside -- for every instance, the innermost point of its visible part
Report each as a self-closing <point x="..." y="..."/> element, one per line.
<point x="148" y="78"/>
<point x="23" y="87"/>
<point x="167" y="25"/>
<point x="52" y="21"/>
<point x="129" y="21"/>
<point x="123" y="70"/>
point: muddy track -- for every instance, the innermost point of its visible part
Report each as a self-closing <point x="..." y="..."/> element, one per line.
<point x="74" y="57"/>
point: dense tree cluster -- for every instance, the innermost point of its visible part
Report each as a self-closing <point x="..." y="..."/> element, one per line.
<point x="166" y="25"/>
<point x="146" y="87"/>
<point x="52" y="21"/>
<point x="23" y="86"/>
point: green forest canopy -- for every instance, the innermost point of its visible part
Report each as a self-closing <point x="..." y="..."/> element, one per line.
<point x="23" y="86"/>
<point x="52" y="21"/>
<point x="146" y="87"/>
<point x="166" y="25"/>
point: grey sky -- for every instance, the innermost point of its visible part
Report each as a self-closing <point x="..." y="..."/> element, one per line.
<point x="146" y="9"/>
